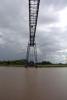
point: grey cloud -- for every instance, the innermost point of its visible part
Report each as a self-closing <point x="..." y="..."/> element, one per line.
<point x="48" y="20"/>
<point x="57" y="3"/>
<point x="50" y="43"/>
<point x="14" y="29"/>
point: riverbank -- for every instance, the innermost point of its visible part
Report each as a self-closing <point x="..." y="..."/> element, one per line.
<point x="38" y="66"/>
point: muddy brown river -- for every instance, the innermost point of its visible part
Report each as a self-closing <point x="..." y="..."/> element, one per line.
<point x="33" y="84"/>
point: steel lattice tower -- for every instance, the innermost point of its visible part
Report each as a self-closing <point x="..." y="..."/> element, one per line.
<point x="33" y="17"/>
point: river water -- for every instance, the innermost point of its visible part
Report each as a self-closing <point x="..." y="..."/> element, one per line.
<point x="33" y="84"/>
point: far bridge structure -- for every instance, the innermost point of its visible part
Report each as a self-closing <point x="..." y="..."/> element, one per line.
<point x="33" y="17"/>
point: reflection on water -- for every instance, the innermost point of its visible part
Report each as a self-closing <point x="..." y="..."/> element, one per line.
<point x="33" y="84"/>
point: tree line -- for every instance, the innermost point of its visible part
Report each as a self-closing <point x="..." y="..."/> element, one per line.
<point x="21" y="62"/>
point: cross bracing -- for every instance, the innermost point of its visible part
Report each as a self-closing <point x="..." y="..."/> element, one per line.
<point x="33" y="16"/>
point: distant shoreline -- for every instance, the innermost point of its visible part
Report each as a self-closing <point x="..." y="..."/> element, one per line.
<point x="39" y="66"/>
<point x="23" y="63"/>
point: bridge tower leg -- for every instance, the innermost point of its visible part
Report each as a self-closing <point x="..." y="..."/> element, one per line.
<point x="33" y="17"/>
<point x="28" y="56"/>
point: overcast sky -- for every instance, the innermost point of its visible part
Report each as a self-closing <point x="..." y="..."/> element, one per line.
<point x="51" y="36"/>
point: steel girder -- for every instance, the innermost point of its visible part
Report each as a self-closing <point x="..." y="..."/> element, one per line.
<point x="33" y="16"/>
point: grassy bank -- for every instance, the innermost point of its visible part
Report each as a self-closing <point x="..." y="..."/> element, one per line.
<point x="53" y="65"/>
<point x="22" y="63"/>
<point x="39" y="66"/>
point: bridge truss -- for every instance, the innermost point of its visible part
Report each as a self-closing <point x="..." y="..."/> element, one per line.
<point x="33" y="17"/>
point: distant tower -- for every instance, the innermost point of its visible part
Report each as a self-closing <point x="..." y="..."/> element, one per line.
<point x="33" y="17"/>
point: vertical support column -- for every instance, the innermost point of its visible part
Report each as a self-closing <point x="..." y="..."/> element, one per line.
<point x="33" y="17"/>
<point x="34" y="55"/>
<point x="28" y="52"/>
